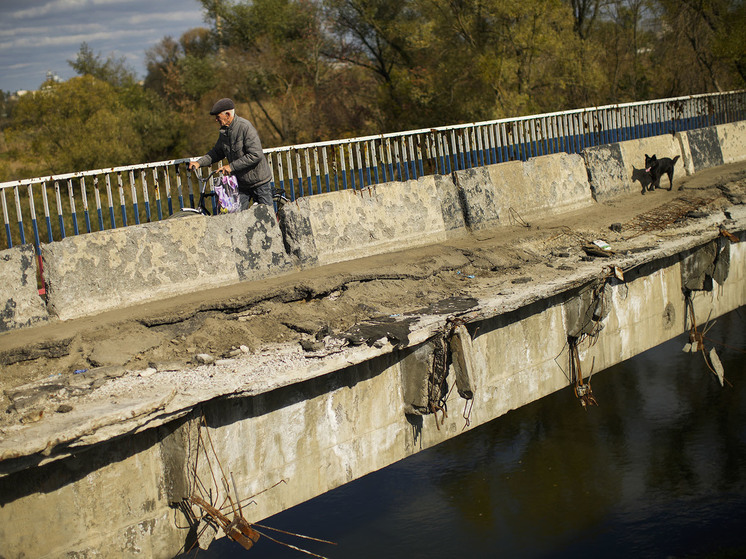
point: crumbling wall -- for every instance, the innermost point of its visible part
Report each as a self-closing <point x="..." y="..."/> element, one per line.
<point x="22" y="304"/>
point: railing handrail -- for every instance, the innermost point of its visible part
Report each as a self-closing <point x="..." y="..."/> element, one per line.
<point x="72" y="203"/>
<point x="359" y="139"/>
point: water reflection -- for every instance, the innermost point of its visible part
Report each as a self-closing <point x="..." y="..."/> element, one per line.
<point x="657" y="470"/>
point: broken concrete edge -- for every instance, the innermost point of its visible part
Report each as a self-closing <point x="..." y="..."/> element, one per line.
<point x="18" y="272"/>
<point x="49" y="440"/>
<point x="106" y="270"/>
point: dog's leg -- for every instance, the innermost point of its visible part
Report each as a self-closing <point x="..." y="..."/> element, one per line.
<point x="670" y="180"/>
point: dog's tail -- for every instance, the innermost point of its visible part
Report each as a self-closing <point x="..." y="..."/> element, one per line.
<point x="675" y="159"/>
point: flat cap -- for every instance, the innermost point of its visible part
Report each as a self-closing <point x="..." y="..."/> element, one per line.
<point x="222" y="105"/>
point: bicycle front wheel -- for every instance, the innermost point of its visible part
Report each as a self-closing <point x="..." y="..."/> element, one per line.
<point x="186" y="212"/>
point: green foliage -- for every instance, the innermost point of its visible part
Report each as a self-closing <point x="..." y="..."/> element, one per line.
<point x="113" y="71"/>
<point x="308" y="70"/>
<point x="78" y="124"/>
<point x="730" y="42"/>
<point x="87" y="123"/>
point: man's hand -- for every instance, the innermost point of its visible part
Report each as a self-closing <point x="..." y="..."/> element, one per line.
<point x="193" y="165"/>
<point x="225" y="169"/>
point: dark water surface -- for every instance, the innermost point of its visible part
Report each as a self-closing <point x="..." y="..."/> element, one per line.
<point x="657" y="470"/>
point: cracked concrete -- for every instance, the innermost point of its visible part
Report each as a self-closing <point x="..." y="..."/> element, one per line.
<point x="330" y="302"/>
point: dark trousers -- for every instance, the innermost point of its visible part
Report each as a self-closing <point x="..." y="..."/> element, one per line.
<point x="261" y="194"/>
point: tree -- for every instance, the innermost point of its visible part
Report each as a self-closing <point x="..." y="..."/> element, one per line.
<point x="87" y="123"/>
<point x="380" y="37"/>
<point x="271" y="59"/>
<point x="182" y="71"/>
<point x="584" y="14"/>
<point x="77" y="124"/>
<point x="710" y="35"/>
<point x="730" y="43"/>
<point x="112" y="70"/>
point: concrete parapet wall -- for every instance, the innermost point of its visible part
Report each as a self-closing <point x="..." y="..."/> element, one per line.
<point x="479" y="193"/>
<point x="554" y="184"/>
<point x="100" y="271"/>
<point x="22" y="304"/>
<point x="496" y="194"/>
<point x="618" y="169"/>
<point x="732" y="139"/>
<point x="348" y="224"/>
<point x="704" y="146"/>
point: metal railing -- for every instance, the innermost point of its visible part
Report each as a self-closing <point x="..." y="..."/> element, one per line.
<point x="102" y="199"/>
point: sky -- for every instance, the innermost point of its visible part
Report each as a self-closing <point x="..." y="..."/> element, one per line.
<point x="40" y="36"/>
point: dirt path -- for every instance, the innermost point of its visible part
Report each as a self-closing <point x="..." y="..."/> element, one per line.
<point x="307" y="307"/>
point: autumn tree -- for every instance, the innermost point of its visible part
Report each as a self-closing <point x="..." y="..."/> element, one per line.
<point x="272" y="59"/>
<point x="77" y="124"/>
<point x="111" y="70"/>
<point x="705" y="39"/>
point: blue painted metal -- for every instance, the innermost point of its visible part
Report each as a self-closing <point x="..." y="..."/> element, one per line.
<point x="8" y="236"/>
<point x="84" y="200"/>
<point x="73" y="213"/>
<point x="60" y="217"/>
<point x="32" y="213"/>
<point x="110" y="202"/>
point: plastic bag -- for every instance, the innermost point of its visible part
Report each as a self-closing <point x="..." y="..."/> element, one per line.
<point x="227" y="191"/>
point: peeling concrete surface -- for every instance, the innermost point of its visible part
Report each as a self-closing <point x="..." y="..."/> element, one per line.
<point x="357" y="319"/>
<point x="23" y="307"/>
<point x="333" y="304"/>
<point x="99" y="271"/>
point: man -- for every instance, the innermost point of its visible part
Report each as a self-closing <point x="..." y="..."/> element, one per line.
<point x="239" y="143"/>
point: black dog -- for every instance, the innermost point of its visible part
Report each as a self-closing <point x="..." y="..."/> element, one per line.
<point x="641" y="176"/>
<point x="656" y="168"/>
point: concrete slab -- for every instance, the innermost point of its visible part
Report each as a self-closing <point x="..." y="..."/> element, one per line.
<point x="555" y="183"/>
<point x="451" y="203"/>
<point x="705" y="148"/>
<point x="22" y="305"/>
<point x="606" y="172"/>
<point x="480" y="193"/>
<point x="732" y="139"/>
<point x="686" y="152"/>
<point x="112" y="269"/>
<point x="339" y="226"/>
<point x="517" y="191"/>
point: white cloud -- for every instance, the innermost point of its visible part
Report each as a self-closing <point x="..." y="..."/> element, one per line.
<point x="38" y="35"/>
<point x="59" y="7"/>
<point x="74" y="39"/>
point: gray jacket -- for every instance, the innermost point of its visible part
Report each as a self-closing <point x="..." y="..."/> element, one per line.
<point x="239" y="143"/>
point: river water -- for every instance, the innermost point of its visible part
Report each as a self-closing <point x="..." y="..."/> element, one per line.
<point x="658" y="469"/>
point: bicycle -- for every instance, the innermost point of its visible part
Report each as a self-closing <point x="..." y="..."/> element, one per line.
<point x="204" y="194"/>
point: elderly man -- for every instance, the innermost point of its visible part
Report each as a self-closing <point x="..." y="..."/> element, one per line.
<point x="239" y="143"/>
